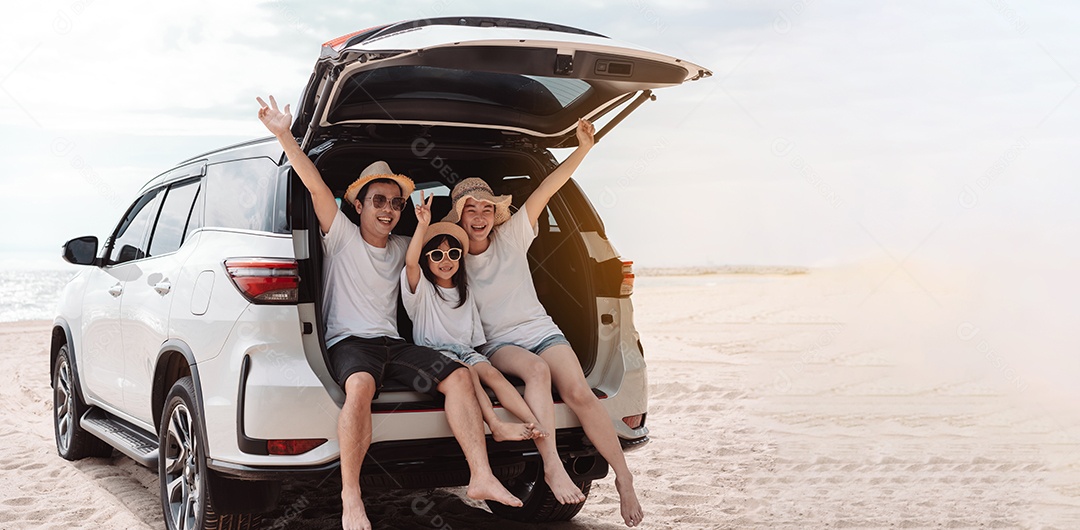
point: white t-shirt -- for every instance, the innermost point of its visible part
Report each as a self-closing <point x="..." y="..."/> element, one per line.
<point x="437" y="322"/>
<point x="361" y="291"/>
<point x="502" y="285"/>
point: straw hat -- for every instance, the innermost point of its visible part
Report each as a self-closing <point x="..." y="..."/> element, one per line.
<point x="451" y="229"/>
<point x="378" y="170"/>
<point x="478" y="190"/>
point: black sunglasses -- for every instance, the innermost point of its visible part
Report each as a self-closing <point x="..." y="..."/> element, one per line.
<point x="437" y="255"/>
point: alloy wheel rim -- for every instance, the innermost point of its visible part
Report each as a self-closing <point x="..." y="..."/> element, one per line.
<point x="181" y="477"/>
<point x="63" y="406"/>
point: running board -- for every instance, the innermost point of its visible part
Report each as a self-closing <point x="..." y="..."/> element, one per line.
<point x="125" y="437"/>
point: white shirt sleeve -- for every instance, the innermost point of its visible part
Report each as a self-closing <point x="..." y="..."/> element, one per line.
<point x="413" y="301"/>
<point x="338" y="236"/>
<point x="518" y="229"/>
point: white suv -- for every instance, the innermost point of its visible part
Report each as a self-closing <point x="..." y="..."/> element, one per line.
<point x="193" y="341"/>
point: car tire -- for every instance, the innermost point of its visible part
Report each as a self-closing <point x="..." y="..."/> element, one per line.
<point x="72" y="442"/>
<point x="539" y="505"/>
<point x="185" y="480"/>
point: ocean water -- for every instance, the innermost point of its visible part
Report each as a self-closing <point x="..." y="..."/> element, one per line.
<point x="31" y="295"/>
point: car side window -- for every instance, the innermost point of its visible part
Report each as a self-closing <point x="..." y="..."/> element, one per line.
<point x="169" y="230"/>
<point x="129" y="241"/>
<point x="195" y="219"/>
<point x="243" y="194"/>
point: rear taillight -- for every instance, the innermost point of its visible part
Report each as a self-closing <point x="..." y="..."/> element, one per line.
<point x="627" y="287"/>
<point x="265" y="280"/>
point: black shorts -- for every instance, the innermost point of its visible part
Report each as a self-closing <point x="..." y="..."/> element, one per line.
<point x="389" y="359"/>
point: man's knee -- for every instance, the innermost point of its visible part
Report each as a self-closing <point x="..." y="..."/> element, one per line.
<point x="458" y="381"/>
<point x="360" y="385"/>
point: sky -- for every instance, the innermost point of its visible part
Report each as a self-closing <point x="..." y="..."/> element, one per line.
<point x="831" y="132"/>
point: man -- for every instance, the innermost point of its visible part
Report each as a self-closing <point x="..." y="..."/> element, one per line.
<point x="363" y="271"/>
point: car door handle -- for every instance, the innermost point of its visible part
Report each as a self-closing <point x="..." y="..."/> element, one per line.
<point x="116" y="290"/>
<point x="163" y="288"/>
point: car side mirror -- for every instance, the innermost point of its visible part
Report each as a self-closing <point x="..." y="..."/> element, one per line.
<point x="81" y="251"/>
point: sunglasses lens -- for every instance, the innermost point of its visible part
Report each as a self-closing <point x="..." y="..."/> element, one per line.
<point x="435" y="255"/>
<point x="454" y="253"/>
<point x="397" y="203"/>
<point x="378" y="201"/>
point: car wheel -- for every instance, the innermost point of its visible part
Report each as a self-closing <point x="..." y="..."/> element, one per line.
<point x="539" y="505"/>
<point x="72" y="442"/>
<point x="186" y="501"/>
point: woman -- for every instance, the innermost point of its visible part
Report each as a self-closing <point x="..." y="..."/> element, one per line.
<point x="522" y="339"/>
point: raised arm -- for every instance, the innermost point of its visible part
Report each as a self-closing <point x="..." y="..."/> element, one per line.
<point x="321" y="197"/>
<point x="412" y="255"/>
<point x="547" y="189"/>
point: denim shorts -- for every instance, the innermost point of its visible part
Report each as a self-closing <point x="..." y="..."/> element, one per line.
<point x="555" y="339"/>
<point x="462" y="354"/>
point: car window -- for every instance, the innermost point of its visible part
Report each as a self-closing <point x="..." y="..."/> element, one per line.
<point x="244" y="194"/>
<point x="195" y="220"/>
<point x="129" y="241"/>
<point x="169" y="230"/>
<point x="527" y="94"/>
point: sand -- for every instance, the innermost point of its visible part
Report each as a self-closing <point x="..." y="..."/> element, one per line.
<point x="842" y="398"/>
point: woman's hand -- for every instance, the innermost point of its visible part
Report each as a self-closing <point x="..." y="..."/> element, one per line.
<point x="423" y="210"/>
<point x="585" y="132"/>
<point x="277" y="122"/>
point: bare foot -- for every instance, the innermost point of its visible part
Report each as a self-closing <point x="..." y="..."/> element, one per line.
<point x="503" y="431"/>
<point x="490" y="489"/>
<point x="628" y="502"/>
<point x="353" y="515"/>
<point x="538" y="431"/>
<point x="562" y="487"/>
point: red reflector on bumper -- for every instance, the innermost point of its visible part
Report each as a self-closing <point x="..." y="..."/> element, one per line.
<point x="635" y="421"/>
<point x="292" y="447"/>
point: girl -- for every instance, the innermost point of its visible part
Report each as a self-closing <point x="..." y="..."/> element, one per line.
<point x="435" y="293"/>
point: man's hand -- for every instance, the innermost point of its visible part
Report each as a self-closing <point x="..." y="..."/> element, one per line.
<point x="585" y="132"/>
<point x="277" y="122"/>
<point x="423" y="210"/>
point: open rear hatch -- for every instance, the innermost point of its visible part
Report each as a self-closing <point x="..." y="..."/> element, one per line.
<point x="497" y="80"/>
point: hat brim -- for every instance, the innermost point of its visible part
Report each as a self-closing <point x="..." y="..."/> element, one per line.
<point x="405" y="183"/>
<point x="501" y="202"/>
<point x="450" y="229"/>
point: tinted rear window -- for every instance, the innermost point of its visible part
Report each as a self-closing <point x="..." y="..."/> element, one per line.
<point x="246" y="194"/>
<point x="536" y="95"/>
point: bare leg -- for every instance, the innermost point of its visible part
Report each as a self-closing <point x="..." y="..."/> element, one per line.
<point x="500" y="430"/>
<point x="466" y="421"/>
<point x="354" y="435"/>
<point x="526" y="365"/>
<point x="509" y="397"/>
<point x="568" y="378"/>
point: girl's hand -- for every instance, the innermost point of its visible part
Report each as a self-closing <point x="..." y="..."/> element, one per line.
<point x="585" y="132"/>
<point x="423" y="210"/>
<point x="277" y="122"/>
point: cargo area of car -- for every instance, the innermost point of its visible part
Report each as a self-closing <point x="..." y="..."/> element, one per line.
<point x="562" y="272"/>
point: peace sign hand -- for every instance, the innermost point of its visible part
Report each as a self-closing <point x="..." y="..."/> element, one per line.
<point x="277" y="122"/>
<point x="423" y="210"/>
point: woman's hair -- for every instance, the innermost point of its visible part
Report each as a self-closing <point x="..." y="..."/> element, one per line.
<point x="459" y="279"/>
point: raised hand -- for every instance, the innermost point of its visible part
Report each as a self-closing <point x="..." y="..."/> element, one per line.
<point x="423" y="210"/>
<point x="585" y="132"/>
<point x="277" y="122"/>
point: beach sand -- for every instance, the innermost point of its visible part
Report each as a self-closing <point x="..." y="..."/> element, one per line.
<point x="837" y="398"/>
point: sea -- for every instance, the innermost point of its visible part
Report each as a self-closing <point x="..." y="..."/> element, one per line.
<point x="31" y="295"/>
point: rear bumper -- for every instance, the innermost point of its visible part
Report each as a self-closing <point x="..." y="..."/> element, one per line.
<point x="440" y="463"/>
